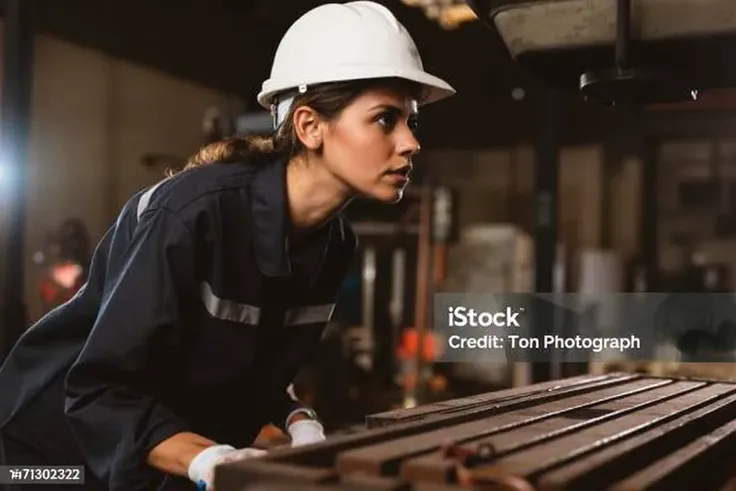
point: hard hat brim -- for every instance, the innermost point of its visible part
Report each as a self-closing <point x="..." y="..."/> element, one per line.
<point x="435" y="89"/>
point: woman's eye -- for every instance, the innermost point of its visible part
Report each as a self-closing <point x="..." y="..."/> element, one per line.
<point x="413" y="123"/>
<point x="387" y="120"/>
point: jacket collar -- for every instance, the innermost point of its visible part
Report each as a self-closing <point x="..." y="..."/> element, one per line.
<point x="271" y="224"/>
<point x="270" y="219"/>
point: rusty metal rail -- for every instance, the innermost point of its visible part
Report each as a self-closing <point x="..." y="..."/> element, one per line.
<point x="614" y="432"/>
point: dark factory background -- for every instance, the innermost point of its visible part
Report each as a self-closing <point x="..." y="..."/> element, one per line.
<point x="518" y="188"/>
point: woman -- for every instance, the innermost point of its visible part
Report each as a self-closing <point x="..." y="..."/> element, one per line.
<point x="214" y="286"/>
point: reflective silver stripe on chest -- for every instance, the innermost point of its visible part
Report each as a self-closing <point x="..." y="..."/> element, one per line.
<point x="229" y="310"/>
<point x="309" y="314"/>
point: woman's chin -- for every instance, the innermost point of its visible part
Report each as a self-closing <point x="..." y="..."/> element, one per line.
<point x="389" y="194"/>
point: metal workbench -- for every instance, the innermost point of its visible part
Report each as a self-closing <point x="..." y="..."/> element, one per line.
<point x="619" y="431"/>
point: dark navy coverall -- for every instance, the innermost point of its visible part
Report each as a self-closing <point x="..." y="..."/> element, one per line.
<point x="196" y="316"/>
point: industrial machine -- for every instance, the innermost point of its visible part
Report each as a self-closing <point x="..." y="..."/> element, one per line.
<point x="620" y="51"/>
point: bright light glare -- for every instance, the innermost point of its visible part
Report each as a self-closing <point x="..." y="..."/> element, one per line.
<point x="6" y="176"/>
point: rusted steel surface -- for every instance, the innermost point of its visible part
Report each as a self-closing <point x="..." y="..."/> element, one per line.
<point x="445" y="407"/>
<point x="616" y="432"/>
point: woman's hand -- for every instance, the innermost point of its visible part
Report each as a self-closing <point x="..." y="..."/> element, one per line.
<point x="174" y="455"/>
<point x="305" y="431"/>
<point x="202" y="468"/>
<point x="193" y="456"/>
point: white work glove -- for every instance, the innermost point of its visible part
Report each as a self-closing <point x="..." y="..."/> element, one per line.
<point x="306" y="431"/>
<point x="202" y="467"/>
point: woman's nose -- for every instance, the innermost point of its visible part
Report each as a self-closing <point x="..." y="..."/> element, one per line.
<point x="409" y="145"/>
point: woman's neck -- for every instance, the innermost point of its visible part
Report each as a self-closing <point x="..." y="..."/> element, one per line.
<point x="314" y="195"/>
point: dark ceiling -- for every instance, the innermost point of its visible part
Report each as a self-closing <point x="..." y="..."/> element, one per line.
<point x="228" y="45"/>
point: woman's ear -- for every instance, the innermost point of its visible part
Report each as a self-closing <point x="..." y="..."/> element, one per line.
<point x="308" y="126"/>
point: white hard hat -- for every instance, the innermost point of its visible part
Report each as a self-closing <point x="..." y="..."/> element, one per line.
<point x="350" y="41"/>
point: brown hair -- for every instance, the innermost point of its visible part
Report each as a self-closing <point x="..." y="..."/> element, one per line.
<point x="328" y="100"/>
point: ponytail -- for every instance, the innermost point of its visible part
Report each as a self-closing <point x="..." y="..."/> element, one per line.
<point x="233" y="149"/>
<point x="328" y="100"/>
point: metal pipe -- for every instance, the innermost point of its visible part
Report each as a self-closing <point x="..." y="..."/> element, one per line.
<point x="396" y="306"/>
<point x="369" y="303"/>
<point x="610" y="162"/>
<point x="546" y="173"/>
<point x="423" y="287"/>
<point x="649" y="232"/>
<point x="15" y="120"/>
<point x="623" y="33"/>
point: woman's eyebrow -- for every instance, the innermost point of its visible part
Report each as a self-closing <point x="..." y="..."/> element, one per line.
<point x="391" y="107"/>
